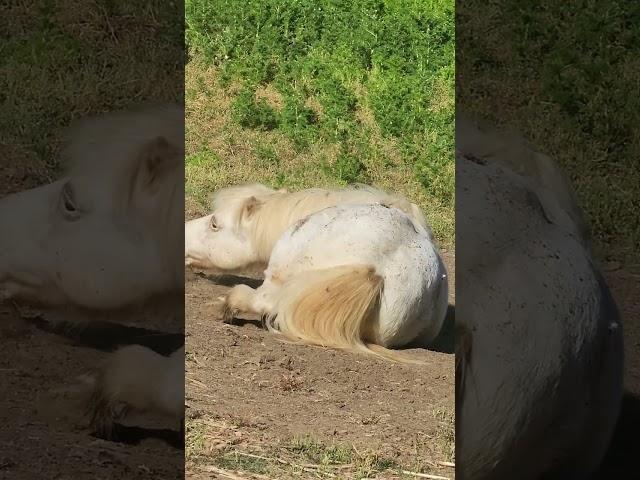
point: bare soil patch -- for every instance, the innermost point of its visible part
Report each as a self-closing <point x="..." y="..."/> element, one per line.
<point x="621" y="460"/>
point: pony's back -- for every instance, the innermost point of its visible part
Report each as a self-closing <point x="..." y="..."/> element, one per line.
<point x="277" y="210"/>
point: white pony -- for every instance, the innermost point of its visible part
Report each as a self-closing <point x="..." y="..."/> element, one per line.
<point x="102" y="241"/>
<point x="248" y="220"/>
<point x="356" y="276"/>
<point x="539" y="346"/>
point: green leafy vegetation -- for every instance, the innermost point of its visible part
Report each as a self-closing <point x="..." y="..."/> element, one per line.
<point x="567" y="79"/>
<point x="60" y="61"/>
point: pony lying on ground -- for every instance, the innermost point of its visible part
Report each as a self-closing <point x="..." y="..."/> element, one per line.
<point x="356" y="277"/>
<point x="248" y="220"/>
<point x="102" y="240"/>
<point x="539" y="345"/>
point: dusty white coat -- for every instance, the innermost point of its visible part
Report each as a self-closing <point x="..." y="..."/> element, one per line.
<point x="539" y="346"/>
<point x="415" y="286"/>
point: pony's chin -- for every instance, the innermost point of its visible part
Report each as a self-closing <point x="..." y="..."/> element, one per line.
<point x="31" y="294"/>
<point x="194" y="262"/>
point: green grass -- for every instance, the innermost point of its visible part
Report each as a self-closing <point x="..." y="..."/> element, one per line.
<point x="309" y="93"/>
<point x="63" y="60"/>
<point x="567" y="78"/>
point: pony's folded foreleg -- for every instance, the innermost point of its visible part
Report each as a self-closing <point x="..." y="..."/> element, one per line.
<point x="243" y="298"/>
<point x="136" y="378"/>
<point x="239" y="299"/>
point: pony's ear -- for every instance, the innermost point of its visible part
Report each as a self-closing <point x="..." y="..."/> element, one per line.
<point x="156" y="158"/>
<point x="250" y="207"/>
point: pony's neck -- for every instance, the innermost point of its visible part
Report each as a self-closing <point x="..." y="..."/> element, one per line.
<point x="282" y="210"/>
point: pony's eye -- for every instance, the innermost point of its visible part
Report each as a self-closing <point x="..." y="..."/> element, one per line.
<point x="68" y="201"/>
<point x="213" y="223"/>
<point x="69" y="206"/>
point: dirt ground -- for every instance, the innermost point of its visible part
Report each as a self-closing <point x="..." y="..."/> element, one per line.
<point x="621" y="460"/>
<point x="254" y="391"/>
<point x="251" y="391"/>
<point x="43" y="432"/>
<point x="44" y="429"/>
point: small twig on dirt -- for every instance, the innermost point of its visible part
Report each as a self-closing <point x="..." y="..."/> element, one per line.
<point x="195" y="360"/>
<point x="356" y="450"/>
<point x="447" y="464"/>
<point x="424" y="475"/>
<point x="315" y="470"/>
<point x="249" y="362"/>
<point x="213" y="398"/>
<point x="196" y="382"/>
<point x="342" y="467"/>
<point x="304" y="466"/>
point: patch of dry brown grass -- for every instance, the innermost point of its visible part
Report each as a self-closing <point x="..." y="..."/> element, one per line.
<point x="236" y="450"/>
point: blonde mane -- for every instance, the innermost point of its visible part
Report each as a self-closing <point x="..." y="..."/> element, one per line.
<point x="111" y="141"/>
<point x="268" y="213"/>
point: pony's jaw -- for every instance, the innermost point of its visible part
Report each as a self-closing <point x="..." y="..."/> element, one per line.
<point x="229" y="255"/>
<point x="221" y="250"/>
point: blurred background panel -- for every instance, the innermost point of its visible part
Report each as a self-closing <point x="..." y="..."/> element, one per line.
<point x="61" y="62"/>
<point x="559" y="85"/>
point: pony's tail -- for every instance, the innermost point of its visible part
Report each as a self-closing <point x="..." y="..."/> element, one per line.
<point x="335" y="307"/>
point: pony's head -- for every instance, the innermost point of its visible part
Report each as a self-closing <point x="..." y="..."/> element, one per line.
<point x="224" y="239"/>
<point x="101" y="237"/>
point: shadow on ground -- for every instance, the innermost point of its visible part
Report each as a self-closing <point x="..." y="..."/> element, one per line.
<point x="445" y="341"/>
<point x="228" y="280"/>
<point x="131" y="435"/>
<point x="108" y="336"/>
<point x="621" y="461"/>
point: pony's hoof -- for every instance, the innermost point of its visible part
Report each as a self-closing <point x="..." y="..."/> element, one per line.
<point x="102" y="424"/>
<point x="105" y="430"/>
<point x="103" y="414"/>
<point x="229" y="315"/>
